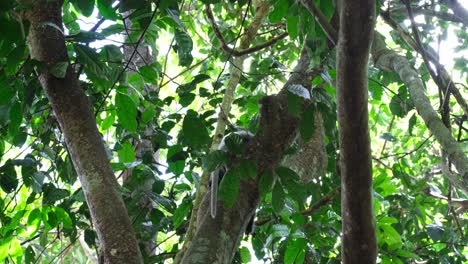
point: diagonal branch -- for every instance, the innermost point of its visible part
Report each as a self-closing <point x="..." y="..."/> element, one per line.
<point x="388" y="60"/>
<point x="244" y="51"/>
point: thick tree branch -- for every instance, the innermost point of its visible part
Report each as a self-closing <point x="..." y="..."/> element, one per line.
<point x="84" y="142"/>
<point x="359" y="240"/>
<point x="236" y="71"/>
<point x="443" y="74"/>
<point x="216" y="240"/>
<point x="386" y="59"/>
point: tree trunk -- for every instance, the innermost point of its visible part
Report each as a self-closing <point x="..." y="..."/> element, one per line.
<point x="359" y="244"/>
<point x="84" y="142"/>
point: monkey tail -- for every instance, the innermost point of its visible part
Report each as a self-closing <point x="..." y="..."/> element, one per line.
<point x="214" y="193"/>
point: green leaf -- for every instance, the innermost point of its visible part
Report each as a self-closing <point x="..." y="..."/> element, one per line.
<point x="245" y="255"/>
<point x="388" y="136"/>
<point x="126" y="112"/>
<point x="267" y="180"/>
<point x="181" y="212"/>
<point x="411" y="124"/>
<point x="295" y="251"/>
<point x="184" y="48"/>
<point x="228" y="188"/>
<point x="278" y="198"/>
<point x="398" y="106"/>
<point x="148" y="114"/>
<point x="186" y="99"/>
<point x="194" y="130"/>
<point x="106" y="9"/>
<point x="8" y="180"/>
<point x="59" y="69"/>
<point x="126" y="153"/>
<point x="29" y="255"/>
<point x="85" y="6"/>
<point x="6" y="93"/>
<point x="280" y="10"/>
<point x="90" y="237"/>
<point x="149" y="73"/>
<point x="112" y="54"/>
<point x="247" y="169"/>
<point x="213" y="160"/>
<point x="435" y="232"/>
<point x="292" y="23"/>
<point x="200" y="78"/>
<point x="51" y="194"/>
<point x="63" y="217"/>
<point x="37" y="181"/>
<point x="294" y="104"/>
<point x="307" y="123"/>
<point x="16" y="115"/>
<point x="90" y="59"/>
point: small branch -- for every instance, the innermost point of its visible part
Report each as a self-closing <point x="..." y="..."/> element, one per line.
<point x="234" y="52"/>
<point x="323" y="201"/>
<point x="331" y="33"/>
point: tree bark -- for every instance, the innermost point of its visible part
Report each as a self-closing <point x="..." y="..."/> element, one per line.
<point x="359" y="243"/>
<point x="85" y="145"/>
<point x="217" y="240"/>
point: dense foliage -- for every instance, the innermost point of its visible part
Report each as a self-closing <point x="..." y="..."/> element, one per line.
<point x="173" y="100"/>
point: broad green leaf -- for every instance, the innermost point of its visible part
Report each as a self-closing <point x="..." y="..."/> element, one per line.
<point x="245" y="255"/>
<point x="126" y="153"/>
<point x="184" y="48"/>
<point x="186" y="99"/>
<point x="16" y="115"/>
<point x="267" y="180"/>
<point x="85" y="6"/>
<point x="90" y="59"/>
<point x="6" y="93"/>
<point x="90" y="237"/>
<point x="307" y="123"/>
<point x="37" y="181"/>
<point x="247" y="169"/>
<point x="228" y="188"/>
<point x="200" y="78"/>
<point x="150" y="74"/>
<point x="108" y="121"/>
<point x="51" y="194"/>
<point x="194" y="130"/>
<point x="63" y="217"/>
<point x="435" y="232"/>
<point x="388" y="136"/>
<point x="292" y="23"/>
<point x="294" y="104"/>
<point x="148" y="114"/>
<point x="112" y="54"/>
<point x="411" y="123"/>
<point x="213" y="160"/>
<point x="181" y="212"/>
<point x="399" y="106"/>
<point x="280" y="9"/>
<point x="29" y="255"/>
<point x="8" y="180"/>
<point x="390" y="236"/>
<point x="278" y="198"/>
<point x="295" y="251"/>
<point x="126" y="112"/>
<point x="106" y="9"/>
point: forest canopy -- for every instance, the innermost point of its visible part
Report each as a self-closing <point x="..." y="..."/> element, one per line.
<point x="112" y="114"/>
